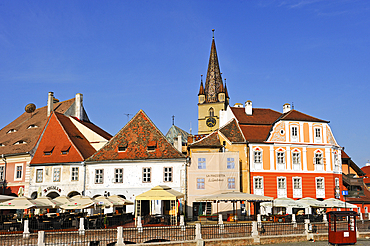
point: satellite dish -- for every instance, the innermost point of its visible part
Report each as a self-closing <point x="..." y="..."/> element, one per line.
<point x="30" y="108"/>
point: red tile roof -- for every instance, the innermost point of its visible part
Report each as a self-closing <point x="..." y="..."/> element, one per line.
<point x="26" y="134"/>
<point x="232" y="132"/>
<point x="137" y="135"/>
<point x="296" y="115"/>
<point x="256" y="134"/>
<point x="259" y="116"/>
<point x="61" y="134"/>
<point x="210" y="141"/>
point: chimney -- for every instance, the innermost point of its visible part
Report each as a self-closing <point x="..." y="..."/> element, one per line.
<point x="50" y="103"/>
<point x="248" y="107"/>
<point x="79" y="107"/>
<point x="286" y="108"/>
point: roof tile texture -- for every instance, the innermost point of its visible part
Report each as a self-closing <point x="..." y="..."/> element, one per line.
<point x="138" y="134"/>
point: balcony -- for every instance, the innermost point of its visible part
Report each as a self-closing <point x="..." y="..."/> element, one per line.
<point x="349" y="179"/>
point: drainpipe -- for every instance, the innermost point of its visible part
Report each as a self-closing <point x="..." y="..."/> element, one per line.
<point x="84" y="185"/>
<point x="4" y="181"/>
<point x="187" y="164"/>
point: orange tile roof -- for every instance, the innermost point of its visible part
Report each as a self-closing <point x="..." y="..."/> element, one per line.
<point x="61" y="134"/>
<point x="137" y="135"/>
<point x="26" y="134"/>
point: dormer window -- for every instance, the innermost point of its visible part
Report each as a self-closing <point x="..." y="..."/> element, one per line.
<point x="152" y="145"/>
<point x="20" y="142"/>
<point x="122" y="147"/>
<point x="65" y="149"/>
<point x="1" y="145"/>
<point x="32" y="126"/>
<point x="48" y="150"/>
<point x="11" y="130"/>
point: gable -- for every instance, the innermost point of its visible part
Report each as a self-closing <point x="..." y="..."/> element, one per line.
<point x="23" y="131"/>
<point x="212" y="140"/>
<point x="61" y="142"/>
<point x="139" y="139"/>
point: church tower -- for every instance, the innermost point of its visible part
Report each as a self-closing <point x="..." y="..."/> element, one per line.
<point x="212" y="97"/>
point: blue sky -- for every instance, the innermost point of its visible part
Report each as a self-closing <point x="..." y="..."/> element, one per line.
<point x="124" y="56"/>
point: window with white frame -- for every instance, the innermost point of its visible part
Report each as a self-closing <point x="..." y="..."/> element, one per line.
<point x="200" y="184"/>
<point x="201" y="163"/>
<point x="257" y="157"/>
<point x="2" y="172"/>
<point x="281" y="185"/>
<point x="39" y="173"/>
<point x="18" y="171"/>
<point x="319" y="161"/>
<point x="231" y="183"/>
<point x="74" y="176"/>
<point x="280" y="160"/>
<point x="297" y="187"/>
<point x="167" y="174"/>
<point x="56" y="174"/>
<point x="366" y="209"/>
<point x="118" y="175"/>
<point x="146" y="174"/>
<point x="258" y="185"/>
<point x="294" y="133"/>
<point x="296" y="161"/>
<point x="99" y="174"/>
<point x="230" y="163"/>
<point x="320" y="187"/>
<point x="317" y="134"/>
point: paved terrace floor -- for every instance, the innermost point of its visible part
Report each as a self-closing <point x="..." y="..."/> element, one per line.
<point x="361" y="242"/>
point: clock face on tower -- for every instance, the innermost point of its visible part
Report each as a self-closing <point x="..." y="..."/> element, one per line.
<point x="211" y="122"/>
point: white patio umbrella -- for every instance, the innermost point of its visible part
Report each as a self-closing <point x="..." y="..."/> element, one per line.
<point x="335" y="203"/>
<point x="119" y="201"/>
<point x="312" y="202"/>
<point x="103" y="201"/>
<point x="284" y="202"/>
<point x="48" y="201"/>
<point x="23" y="203"/>
<point x="4" y="198"/>
<point x="78" y="202"/>
<point x="62" y="200"/>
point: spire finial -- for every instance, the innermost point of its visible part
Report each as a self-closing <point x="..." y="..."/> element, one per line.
<point x="201" y="77"/>
<point x="213" y="30"/>
<point x="173" y="120"/>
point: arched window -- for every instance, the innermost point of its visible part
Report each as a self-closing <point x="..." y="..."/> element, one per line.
<point x="211" y="112"/>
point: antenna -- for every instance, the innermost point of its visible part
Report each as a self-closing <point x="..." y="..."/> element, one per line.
<point x="173" y="120"/>
<point x="128" y="117"/>
<point x="292" y="105"/>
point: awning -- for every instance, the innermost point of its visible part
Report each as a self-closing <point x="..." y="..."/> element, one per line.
<point x="235" y="196"/>
<point x="4" y="198"/>
<point x="160" y="192"/>
<point x="78" y="202"/>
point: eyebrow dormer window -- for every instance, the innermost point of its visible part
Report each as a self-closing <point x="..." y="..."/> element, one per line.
<point x="32" y="126"/>
<point x="152" y="145"/>
<point x="48" y="150"/>
<point x="65" y="149"/>
<point x="1" y="145"/>
<point x="11" y="130"/>
<point x="20" y="142"/>
<point x="122" y="147"/>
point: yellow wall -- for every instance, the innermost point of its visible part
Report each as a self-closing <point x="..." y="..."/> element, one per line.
<point x="203" y="114"/>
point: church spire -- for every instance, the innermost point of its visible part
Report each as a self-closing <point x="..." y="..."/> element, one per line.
<point x="213" y="79"/>
<point x="201" y="89"/>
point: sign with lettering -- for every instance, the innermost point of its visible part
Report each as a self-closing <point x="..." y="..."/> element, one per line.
<point x="215" y="177"/>
<point x="52" y="188"/>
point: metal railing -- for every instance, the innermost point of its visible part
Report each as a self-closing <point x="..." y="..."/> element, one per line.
<point x="226" y="231"/>
<point x="276" y="229"/>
